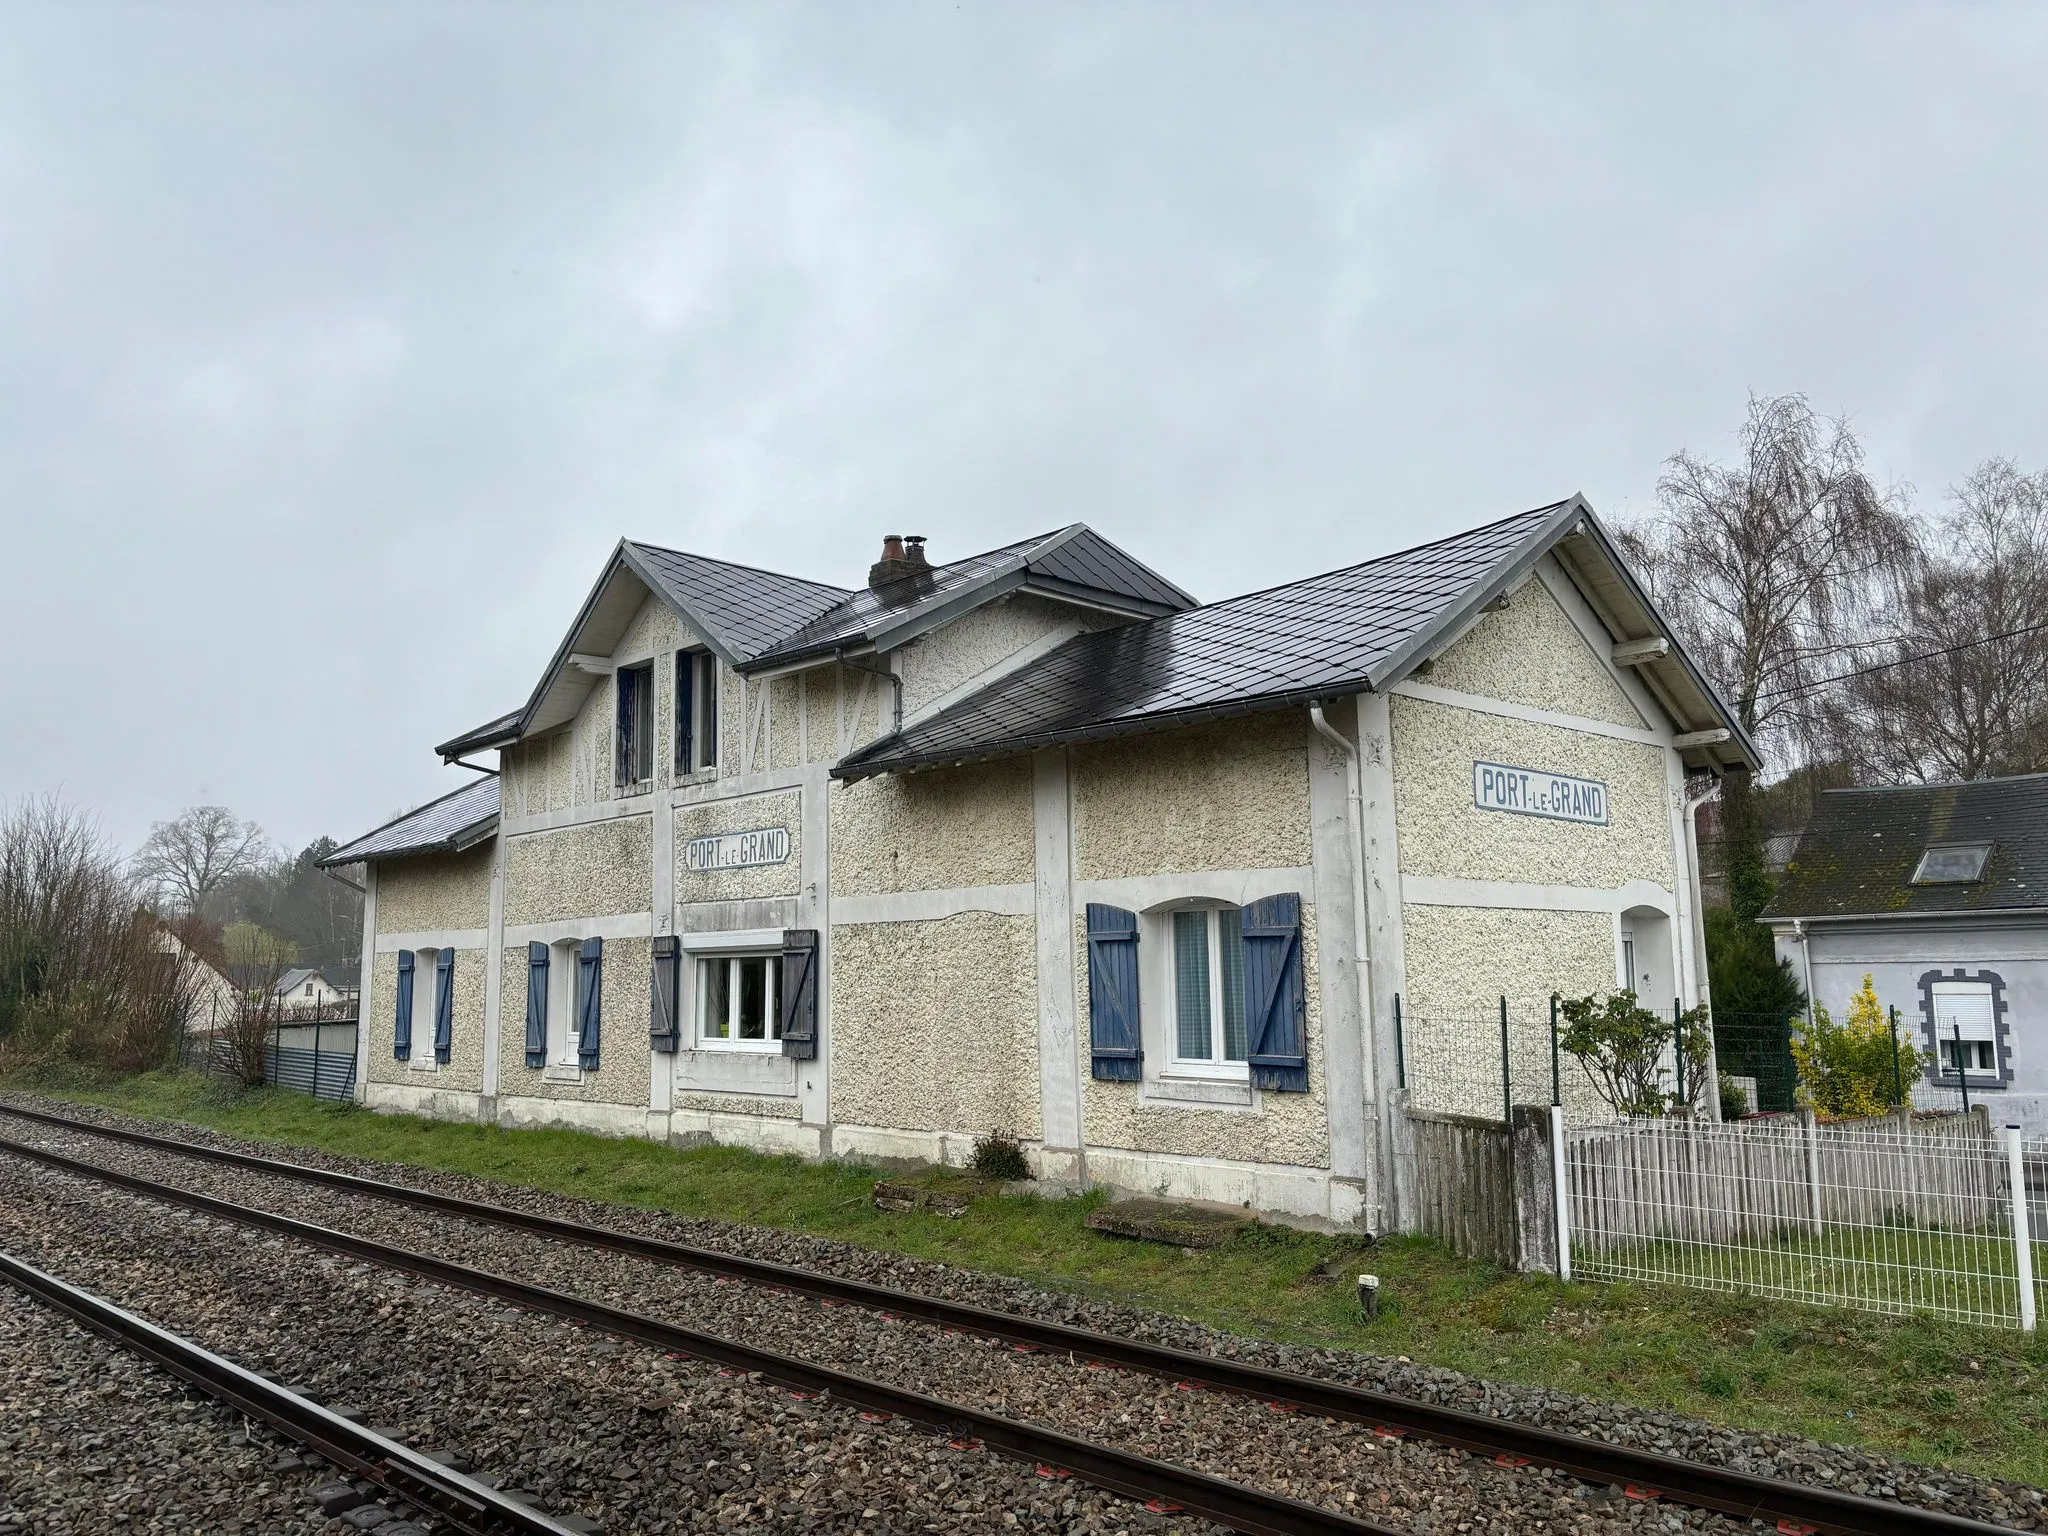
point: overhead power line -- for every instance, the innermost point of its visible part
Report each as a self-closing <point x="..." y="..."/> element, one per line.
<point x="1902" y="661"/>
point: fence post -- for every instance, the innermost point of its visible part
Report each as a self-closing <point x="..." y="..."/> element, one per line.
<point x="2022" y="1240"/>
<point x="1400" y="1051"/>
<point x="1556" y="1086"/>
<point x="1678" y="1057"/>
<point x="1560" y="1178"/>
<point x="1787" y="1068"/>
<point x="317" y="1027"/>
<point x="1507" y="1091"/>
<point x="1535" y="1190"/>
<point x="1962" y="1072"/>
<point x="274" y="1068"/>
<point x="1810" y="1132"/>
<point x="1898" y="1082"/>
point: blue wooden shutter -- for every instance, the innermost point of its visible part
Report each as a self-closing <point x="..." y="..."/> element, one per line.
<point x="536" y="1005"/>
<point x="800" y="993"/>
<point x="1275" y="1000"/>
<point x="1116" y="1048"/>
<point x="589" y="1002"/>
<point x="444" y="1005"/>
<point x="401" y="1025"/>
<point x="664" y="1026"/>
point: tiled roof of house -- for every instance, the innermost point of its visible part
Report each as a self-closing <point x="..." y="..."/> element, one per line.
<point x="447" y="825"/>
<point x="1327" y="635"/>
<point x="746" y="609"/>
<point x="1858" y="856"/>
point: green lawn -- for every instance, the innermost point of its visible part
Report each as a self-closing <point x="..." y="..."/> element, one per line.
<point x="1927" y="1390"/>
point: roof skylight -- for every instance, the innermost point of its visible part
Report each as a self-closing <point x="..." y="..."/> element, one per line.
<point x="1952" y="864"/>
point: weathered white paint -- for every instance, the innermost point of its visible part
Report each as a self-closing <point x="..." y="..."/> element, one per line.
<point x="434" y="938"/>
<point x="1238" y="887"/>
<point x="817" y="910"/>
<point x="616" y="925"/>
<point x="1415" y="688"/>
<point x="931" y="905"/>
<point x="1054" y="895"/>
<point x="1448" y="891"/>
<point x="1386" y="966"/>
<point x="363" y="993"/>
<point x="494" y="979"/>
<point x="1337" y="892"/>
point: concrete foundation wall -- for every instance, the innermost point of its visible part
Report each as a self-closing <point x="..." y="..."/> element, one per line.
<point x="935" y="1025"/>
<point x="1232" y="795"/>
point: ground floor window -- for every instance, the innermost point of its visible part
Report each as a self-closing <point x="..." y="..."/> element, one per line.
<point x="1965" y="1027"/>
<point x="738" y="1002"/>
<point x="1208" y="986"/>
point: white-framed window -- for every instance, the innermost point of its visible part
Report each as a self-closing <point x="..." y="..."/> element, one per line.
<point x="696" y="712"/>
<point x="1207" y="982"/>
<point x="565" y="1002"/>
<point x="1965" y="1028"/>
<point x="1951" y="864"/>
<point x="426" y="980"/>
<point x="739" y="1002"/>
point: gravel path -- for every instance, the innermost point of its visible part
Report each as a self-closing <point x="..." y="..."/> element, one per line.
<point x="1407" y="1485"/>
<point x="95" y="1440"/>
<point x="615" y="1433"/>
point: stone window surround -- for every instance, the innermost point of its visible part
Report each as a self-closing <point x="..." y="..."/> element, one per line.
<point x="2001" y="1029"/>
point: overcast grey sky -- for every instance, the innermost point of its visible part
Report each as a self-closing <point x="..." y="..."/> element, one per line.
<point x="338" y="344"/>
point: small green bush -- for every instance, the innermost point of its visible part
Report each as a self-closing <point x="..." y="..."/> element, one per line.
<point x="998" y="1156"/>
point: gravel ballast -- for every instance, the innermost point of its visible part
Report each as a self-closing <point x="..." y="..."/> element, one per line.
<point x="1408" y="1485"/>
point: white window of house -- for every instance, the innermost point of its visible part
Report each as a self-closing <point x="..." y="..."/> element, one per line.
<point x="696" y="712"/>
<point x="425" y="976"/>
<point x="1208" y="991"/>
<point x="1965" y="1027"/>
<point x="738" y="1002"/>
<point x="565" y="1002"/>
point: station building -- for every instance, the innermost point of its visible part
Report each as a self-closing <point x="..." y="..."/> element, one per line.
<point x="1033" y="842"/>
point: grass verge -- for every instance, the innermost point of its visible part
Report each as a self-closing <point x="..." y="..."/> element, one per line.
<point x="1927" y="1390"/>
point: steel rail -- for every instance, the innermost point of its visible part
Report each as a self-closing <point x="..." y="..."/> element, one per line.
<point x="462" y="1501"/>
<point x="1055" y="1454"/>
<point x="1793" y="1506"/>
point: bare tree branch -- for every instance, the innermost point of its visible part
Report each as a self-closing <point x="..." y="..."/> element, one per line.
<point x="188" y="858"/>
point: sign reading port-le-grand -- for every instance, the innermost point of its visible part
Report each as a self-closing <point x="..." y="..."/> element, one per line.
<point x="1532" y="792"/>
<point x="736" y="850"/>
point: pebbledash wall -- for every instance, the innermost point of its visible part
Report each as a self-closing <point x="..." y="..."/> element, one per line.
<point x="954" y="993"/>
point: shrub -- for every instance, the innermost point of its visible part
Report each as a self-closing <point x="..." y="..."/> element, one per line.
<point x="1853" y="1068"/>
<point x="1621" y="1044"/>
<point x="998" y="1156"/>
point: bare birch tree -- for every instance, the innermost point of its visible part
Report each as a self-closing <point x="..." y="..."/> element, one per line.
<point x="187" y="859"/>
<point x="1961" y="689"/>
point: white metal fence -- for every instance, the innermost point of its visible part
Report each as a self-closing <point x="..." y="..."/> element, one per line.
<point x="1934" y="1214"/>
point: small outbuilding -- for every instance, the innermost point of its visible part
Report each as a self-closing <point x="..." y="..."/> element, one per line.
<point x="1033" y="842"/>
<point x="1939" y="894"/>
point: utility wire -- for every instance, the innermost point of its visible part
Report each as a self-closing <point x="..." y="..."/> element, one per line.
<point x="1903" y="661"/>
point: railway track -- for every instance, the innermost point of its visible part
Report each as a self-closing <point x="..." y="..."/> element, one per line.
<point x="1790" y="1507"/>
<point x="462" y="1502"/>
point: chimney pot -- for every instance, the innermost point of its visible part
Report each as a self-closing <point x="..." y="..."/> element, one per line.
<point x="914" y="553"/>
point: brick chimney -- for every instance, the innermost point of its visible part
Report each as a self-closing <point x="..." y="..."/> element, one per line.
<point x="896" y="563"/>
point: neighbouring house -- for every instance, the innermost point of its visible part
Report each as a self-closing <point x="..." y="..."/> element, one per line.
<point x="1034" y="842"/>
<point x="1939" y="893"/>
<point x="211" y="998"/>
<point x="303" y="989"/>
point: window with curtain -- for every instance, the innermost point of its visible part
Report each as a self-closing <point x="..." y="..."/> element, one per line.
<point x="1208" y="987"/>
<point x="739" y="1006"/>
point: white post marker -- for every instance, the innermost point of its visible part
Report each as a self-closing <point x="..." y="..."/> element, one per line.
<point x="1560" y="1175"/>
<point x="2022" y="1241"/>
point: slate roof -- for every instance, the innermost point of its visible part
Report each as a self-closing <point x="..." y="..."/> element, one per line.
<point x="447" y="825"/>
<point x="746" y="609"/>
<point x="1074" y="560"/>
<point x="1342" y="632"/>
<point x="1858" y="855"/>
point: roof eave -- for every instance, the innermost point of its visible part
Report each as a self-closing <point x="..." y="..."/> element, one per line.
<point x="1921" y="914"/>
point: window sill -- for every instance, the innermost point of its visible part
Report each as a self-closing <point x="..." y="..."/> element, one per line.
<point x="417" y="1065"/>
<point x="1211" y="1090"/>
<point x="741" y="1047"/>
<point x="628" y="791"/>
<point x="561" y="1072"/>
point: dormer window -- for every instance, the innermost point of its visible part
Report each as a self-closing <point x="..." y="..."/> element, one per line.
<point x="1952" y="864"/>
<point x="636" y="725"/>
